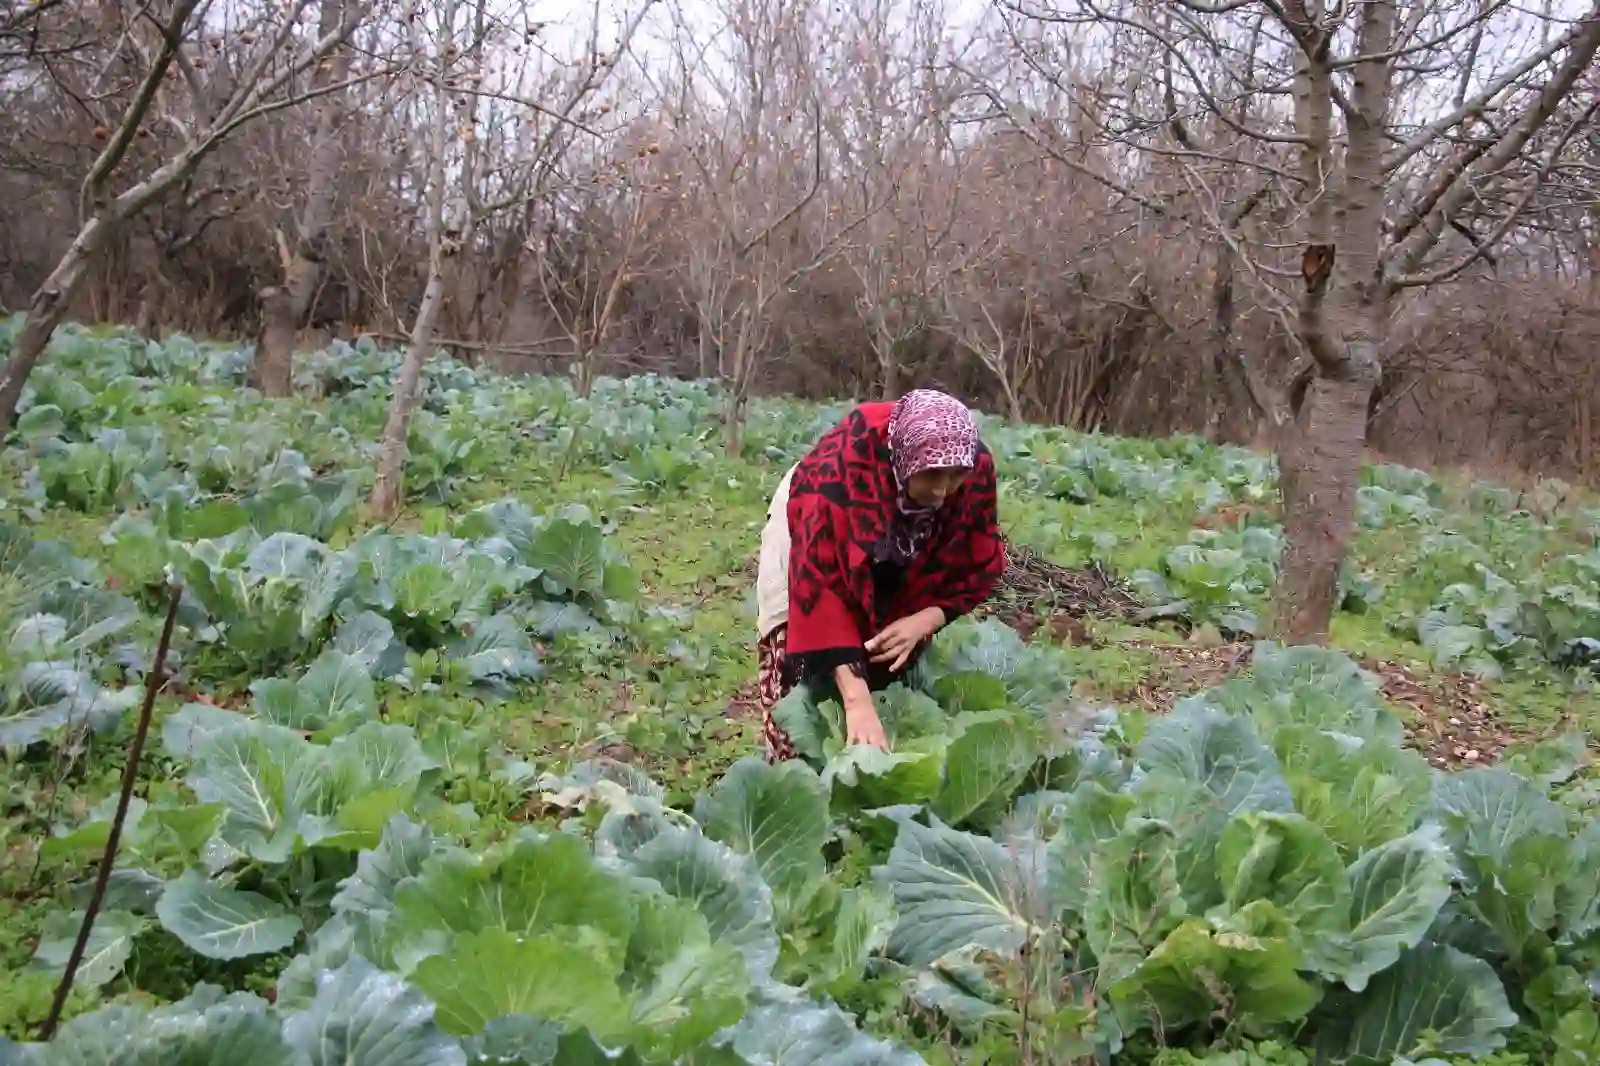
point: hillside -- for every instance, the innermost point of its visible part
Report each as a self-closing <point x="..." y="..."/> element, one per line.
<point x="483" y="778"/>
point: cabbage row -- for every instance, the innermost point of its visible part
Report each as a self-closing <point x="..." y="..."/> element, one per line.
<point x="264" y="602"/>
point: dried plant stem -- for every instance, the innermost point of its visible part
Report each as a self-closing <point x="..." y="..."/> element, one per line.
<point x="130" y="775"/>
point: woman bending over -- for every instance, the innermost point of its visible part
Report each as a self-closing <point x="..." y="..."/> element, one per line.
<point x="883" y="534"/>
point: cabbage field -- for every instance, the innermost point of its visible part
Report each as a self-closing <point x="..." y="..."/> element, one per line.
<point x="483" y="784"/>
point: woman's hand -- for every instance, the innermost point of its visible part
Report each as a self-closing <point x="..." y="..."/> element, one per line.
<point x="861" y="724"/>
<point x="900" y="638"/>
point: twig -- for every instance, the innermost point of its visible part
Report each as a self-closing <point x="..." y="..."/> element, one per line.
<point x="130" y="774"/>
<point x="549" y="346"/>
<point x="566" y="457"/>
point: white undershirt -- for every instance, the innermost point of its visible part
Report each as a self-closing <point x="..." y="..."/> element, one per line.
<point x="772" y="570"/>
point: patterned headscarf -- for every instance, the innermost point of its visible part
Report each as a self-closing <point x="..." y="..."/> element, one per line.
<point x="927" y="431"/>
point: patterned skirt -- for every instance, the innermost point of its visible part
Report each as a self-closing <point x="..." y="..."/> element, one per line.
<point x="770" y="661"/>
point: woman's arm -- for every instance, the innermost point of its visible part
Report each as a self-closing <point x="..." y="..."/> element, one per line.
<point x="898" y="641"/>
<point x="825" y="640"/>
<point x="861" y="722"/>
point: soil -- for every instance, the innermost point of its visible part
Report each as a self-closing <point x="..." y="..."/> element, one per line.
<point x="1182" y="670"/>
<point x="1451" y="721"/>
<point x="228" y="701"/>
<point x="1033" y="591"/>
<point x="746" y="703"/>
<point x="1447" y="717"/>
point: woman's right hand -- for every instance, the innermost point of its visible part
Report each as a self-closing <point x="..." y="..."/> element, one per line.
<point x="861" y="724"/>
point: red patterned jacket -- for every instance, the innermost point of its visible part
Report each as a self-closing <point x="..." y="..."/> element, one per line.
<point x="841" y="503"/>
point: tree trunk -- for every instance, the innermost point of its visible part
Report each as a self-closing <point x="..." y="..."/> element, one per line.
<point x="1342" y="322"/>
<point x="280" y="326"/>
<point x="284" y="309"/>
<point x="45" y="312"/>
<point x="1319" y="466"/>
<point x="583" y="369"/>
<point x="105" y="212"/>
<point x="1013" y="402"/>
<point x="735" y="405"/>
<point x="390" y="484"/>
<point x="733" y="415"/>
<point x="736" y="383"/>
<point x="1229" y="397"/>
<point x="388" y="489"/>
<point x="147" y="324"/>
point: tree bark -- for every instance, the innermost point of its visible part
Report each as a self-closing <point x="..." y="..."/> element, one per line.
<point x="387" y="490"/>
<point x="51" y="301"/>
<point x="274" y="367"/>
<point x="733" y="415"/>
<point x="284" y="308"/>
<point x="1319" y="455"/>
<point x="1237" y="400"/>
<point x="1229" y="395"/>
<point x="1319" y="466"/>
<point x="45" y="312"/>
<point x="736" y="385"/>
<point x="147" y="324"/>
<point x="888" y="365"/>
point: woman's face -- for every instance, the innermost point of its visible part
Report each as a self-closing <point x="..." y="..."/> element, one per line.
<point x="931" y="488"/>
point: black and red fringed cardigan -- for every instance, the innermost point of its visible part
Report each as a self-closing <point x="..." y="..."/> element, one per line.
<point x="842" y="501"/>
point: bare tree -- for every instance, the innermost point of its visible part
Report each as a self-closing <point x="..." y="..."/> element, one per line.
<point x="586" y="261"/>
<point x="546" y="130"/>
<point x="971" y="296"/>
<point x="764" y="216"/>
<point x="1352" y="142"/>
<point x="446" y="222"/>
<point x="1093" y="212"/>
<point x="892" y="127"/>
<point x="459" y="88"/>
<point x="1008" y="356"/>
<point x="265" y="82"/>
<point x="1321" y="455"/>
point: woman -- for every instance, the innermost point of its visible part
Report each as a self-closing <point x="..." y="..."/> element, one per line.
<point x="882" y="535"/>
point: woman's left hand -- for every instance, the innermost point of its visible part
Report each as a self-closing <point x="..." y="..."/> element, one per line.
<point x="900" y="638"/>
